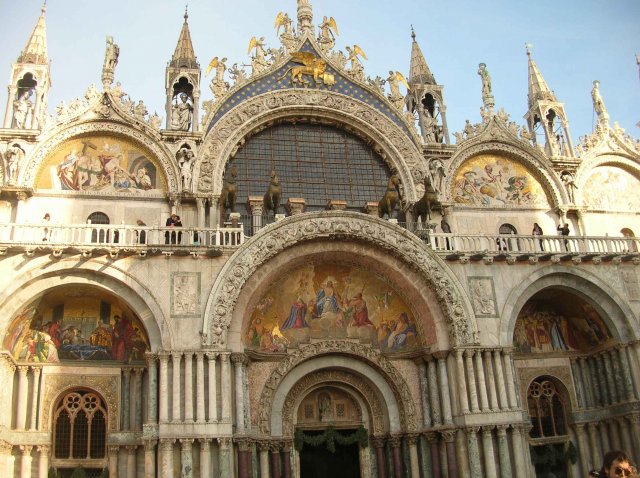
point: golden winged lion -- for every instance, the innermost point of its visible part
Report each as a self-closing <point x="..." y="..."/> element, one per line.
<point x="311" y="65"/>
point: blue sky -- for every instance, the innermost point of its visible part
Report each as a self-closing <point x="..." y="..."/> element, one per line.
<point x="574" y="43"/>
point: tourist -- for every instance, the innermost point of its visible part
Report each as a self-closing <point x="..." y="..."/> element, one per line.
<point x="616" y="464"/>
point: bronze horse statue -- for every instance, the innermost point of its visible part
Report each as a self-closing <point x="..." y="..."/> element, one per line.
<point x="391" y="197"/>
<point x="271" y="200"/>
<point x="422" y="208"/>
<point x="229" y="191"/>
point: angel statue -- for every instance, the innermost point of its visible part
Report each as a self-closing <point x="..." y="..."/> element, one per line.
<point x="258" y="60"/>
<point x="394" y="81"/>
<point x="354" y="53"/>
<point x="237" y="73"/>
<point x="287" y="37"/>
<point x="218" y="85"/>
<point x="328" y="32"/>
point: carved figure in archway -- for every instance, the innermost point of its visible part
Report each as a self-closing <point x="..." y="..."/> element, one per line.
<point x="22" y="109"/>
<point x="391" y="197"/>
<point x="182" y="113"/>
<point x="14" y="156"/>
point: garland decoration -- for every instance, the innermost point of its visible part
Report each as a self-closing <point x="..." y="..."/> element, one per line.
<point x="550" y="455"/>
<point x="330" y="436"/>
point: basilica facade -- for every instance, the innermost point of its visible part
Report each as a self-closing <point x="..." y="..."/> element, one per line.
<point x="311" y="275"/>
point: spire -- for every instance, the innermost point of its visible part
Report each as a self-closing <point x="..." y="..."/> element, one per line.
<point x="184" y="57"/>
<point x="419" y="71"/>
<point x="35" y="51"/>
<point x="538" y="88"/>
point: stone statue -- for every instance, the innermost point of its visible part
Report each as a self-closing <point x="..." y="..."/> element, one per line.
<point x="185" y="161"/>
<point x="328" y="30"/>
<point x="111" y="55"/>
<point x="258" y="60"/>
<point x="155" y="120"/>
<point x="182" y="114"/>
<point x="567" y="178"/>
<point x="486" y="80"/>
<point x="598" y="104"/>
<point x="140" y="110"/>
<point x="437" y="175"/>
<point x="22" y="109"/>
<point x="13" y="156"/>
<point x="237" y="74"/>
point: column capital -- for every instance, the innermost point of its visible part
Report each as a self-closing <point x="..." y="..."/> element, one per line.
<point x="634" y="418"/>
<point x="149" y="445"/>
<point x="295" y="206"/>
<point x="412" y="438"/>
<point x="26" y="449"/>
<point x="469" y="353"/>
<point x="211" y="356"/>
<point x="244" y="443"/>
<point x="448" y="435"/>
<point x="487" y="429"/>
<point x="164" y="356"/>
<point x="205" y="443"/>
<point x="395" y="441"/>
<point x="113" y="449"/>
<point x="472" y="430"/>
<point x="275" y="446"/>
<point x="501" y="429"/>
<point x="378" y="441"/>
<point x="131" y="448"/>
<point x="150" y="357"/>
<point x="5" y="447"/>
<point x="176" y="355"/>
<point x="138" y="371"/>
<point x="8" y="361"/>
<point x="239" y="359"/>
<point x="431" y="437"/>
<point x="23" y="369"/>
<point x="186" y="444"/>
<point x="264" y="445"/>
<point x="286" y="445"/>
<point x="441" y="355"/>
<point x="256" y="205"/>
<point x="224" y="442"/>
<point x="43" y="449"/>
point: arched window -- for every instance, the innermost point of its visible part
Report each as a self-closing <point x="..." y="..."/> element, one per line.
<point x="546" y="409"/>
<point x="628" y="233"/>
<point x="80" y="427"/>
<point x="99" y="235"/>
<point x="507" y="243"/>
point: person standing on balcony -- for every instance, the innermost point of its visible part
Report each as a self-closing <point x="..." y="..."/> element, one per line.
<point x="537" y="231"/>
<point x="564" y="232"/>
<point x="446" y="228"/>
<point x="46" y="232"/>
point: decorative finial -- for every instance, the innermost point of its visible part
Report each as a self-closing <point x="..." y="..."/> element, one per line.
<point x="413" y="33"/>
<point x="528" y="47"/>
<point x="186" y="12"/>
<point x="44" y="6"/>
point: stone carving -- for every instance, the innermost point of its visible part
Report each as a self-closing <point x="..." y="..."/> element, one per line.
<point x="182" y="113"/>
<point x="394" y="80"/>
<point x="483" y="296"/>
<point x="373" y="357"/>
<point x="598" y="105"/>
<point x="238" y="75"/>
<point x="185" y="294"/>
<point x="354" y="226"/>
<point x="487" y="94"/>
<point x="23" y="110"/>
<point x="259" y="61"/>
<point x="357" y="69"/>
<point x="328" y="32"/>
<point x="567" y="179"/>
<point x="218" y="86"/>
<point x="437" y="175"/>
<point x="287" y="37"/>
<point x="186" y="159"/>
<point x="111" y="55"/>
<point x="14" y="156"/>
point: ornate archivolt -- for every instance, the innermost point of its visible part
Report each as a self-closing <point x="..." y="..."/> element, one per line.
<point x="143" y="136"/>
<point x="222" y="141"/>
<point x="334" y="225"/>
<point x="619" y="159"/>
<point x="360" y="353"/>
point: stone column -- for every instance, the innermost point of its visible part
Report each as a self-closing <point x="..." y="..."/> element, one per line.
<point x="256" y="207"/>
<point x="150" y="459"/>
<point x="482" y="385"/>
<point x="164" y="388"/>
<point x="471" y="375"/>
<point x="445" y="393"/>
<point x="625" y="434"/>
<point x="424" y="394"/>
<point x="412" y="439"/>
<point x="25" y="461"/>
<point x="593" y="440"/>
<point x="213" y="384"/>
<point x="166" y="458"/>
<point x="629" y="393"/>
<point x="395" y="442"/>
<point x="614" y="434"/>
<point x="7" y="373"/>
<point x="449" y="437"/>
<point x="200" y="414"/>
<point x="23" y="385"/>
<point x="434" y="398"/>
<point x="593" y="373"/>
<point x="188" y="387"/>
<point x="263" y="447"/>
<point x="502" y="389"/>
<point x="603" y="433"/>
<point x="186" y="458"/>
<point x="286" y="458"/>
<point x="462" y="382"/>
<point x="43" y="461"/>
<point x="618" y="380"/>
<point x="378" y="444"/>
<point x="519" y="443"/>
<point x="152" y="388"/>
<point x="275" y="460"/>
<point x="6" y="459"/>
<point x="510" y="378"/>
<point x="586" y="381"/>
<point x="113" y="461"/>
<point x="225" y="458"/>
<point x="226" y="388"/>
<point x="487" y="446"/>
<point x="474" y="451"/>
<point x="126" y="398"/>
<point x="503" y="451"/>
<point x="577" y="382"/>
<point x="131" y="460"/>
<point x="607" y="375"/>
<point x="205" y="457"/>
<point x="432" y="438"/>
<point x="136" y="416"/>
<point x="239" y="361"/>
<point x="176" y="357"/>
<point x="244" y="457"/>
<point x="634" y="419"/>
<point x="491" y="381"/>
<point x="33" y="425"/>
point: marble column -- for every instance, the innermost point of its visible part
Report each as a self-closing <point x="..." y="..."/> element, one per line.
<point x="7" y="373"/>
<point x="205" y="457"/>
<point x="586" y="381"/>
<point x="608" y="376"/>
<point x="618" y="380"/>
<point x="152" y="389"/>
<point x="627" y="374"/>
<point x="474" y="451"/>
<point x="25" y="461"/>
<point x="150" y="458"/>
<point x="625" y="434"/>
<point x="502" y="389"/>
<point x="264" y="447"/>
<point x="487" y="447"/>
<point x="614" y="434"/>
<point x="166" y="458"/>
<point x="412" y="440"/>
<point x="136" y="415"/>
<point x="424" y="394"/>
<point x="213" y="387"/>
<point x="491" y="381"/>
<point x="226" y="388"/>
<point x="578" y="383"/>
<point x="200" y="413"/>
<point x="432" y="438"/>
<point x="434" y="398"/>
<point x="188" y="387"/>
<point x="598" y="392"/>
<point x="131" y="460"/>
<point x="521" y="464"/>
<point x="256" y="205"/>
<point x="126" y="399"/>
<point x="395" y="442"/>
<point x="471" y="376"/>
<point x="449" y="437"/>
<point x="33" y="425"/>
<point x="176" y="358"/>
<point x="286" y="458"/>
<point x="6" y="459"/>
<point x="378" y="444"/>
<point x="276" y="471"/>
<point x="583" y="448"/>
<point x="239" y="362"/>
<point x="510" y="378"/>
<point x="462" y="382"/>
<point x="443" y="383"/>
<point x="603" y="433"/>
<point x="186" y="458"/>
<point x="593" y="440"/>
<point x="225" y="458"/>
<point x="43" y="461"/>
<point x="113" y="461"/>
<point x="634" y="420"/>
<point x="482" y="385"/>
<point x="23" y="385"/>
<point x="244" y="457"/>
<point x="503" y="451"/>
<point x="425" y="457"/>
<point x="164" y="388"/>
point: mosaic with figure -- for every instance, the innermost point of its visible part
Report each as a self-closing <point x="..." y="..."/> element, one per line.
<point x="101" y="163"/>
<point x="541" y="328"/>
<point x="72" y="323"/>
<point x="490" y="180"/>
<point x="612" y="188"/>
<point x="328" y="301"/>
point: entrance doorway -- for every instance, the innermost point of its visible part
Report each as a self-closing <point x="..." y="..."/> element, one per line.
<point x="319" y="462"/>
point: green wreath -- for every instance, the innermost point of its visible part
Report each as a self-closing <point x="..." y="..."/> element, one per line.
<point x="330" y="436"/>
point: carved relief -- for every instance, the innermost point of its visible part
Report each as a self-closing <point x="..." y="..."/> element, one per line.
<point x="483" y="296"/>
<point x="185" y="294"/>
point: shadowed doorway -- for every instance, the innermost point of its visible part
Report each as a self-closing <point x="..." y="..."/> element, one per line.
<point x="319" y="462"/>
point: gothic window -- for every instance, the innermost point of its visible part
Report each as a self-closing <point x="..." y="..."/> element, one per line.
<point x="546" y="409"/>
<point x="80" y="427"/>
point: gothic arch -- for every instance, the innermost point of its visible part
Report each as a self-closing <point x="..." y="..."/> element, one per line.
<point x="382" y="379"/>
<point x="624" y="162"/>
<point x="288" y="233"/>
<point x="613" y="309"/>
<point x="395" y="146"/>
<point x="45" y="275"/>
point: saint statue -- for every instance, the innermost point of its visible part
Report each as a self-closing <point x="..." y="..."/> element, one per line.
<point x="598" y="104"/>
<point x="182" y="114"/>
<point x="486" y="79"/>
<point x="111" y="54"/>
<point x="22" y="109"/>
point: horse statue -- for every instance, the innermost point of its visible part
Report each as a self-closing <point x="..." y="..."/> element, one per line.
<point x="391" y="197"/>
<point x="229" y="191"/>
<point x="271" y="200"/>
<point x="422" y="208"/>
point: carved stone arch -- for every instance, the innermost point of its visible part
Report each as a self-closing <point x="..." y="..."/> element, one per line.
<point x="384" y="379"/>
<point x="622" y="161"/>
<point x="559" y="374"/>
<point x="356" y="385"/>
<point x="613" y="309"/>
<point x="44" y="275"/>
<point x="333" y="225"/>
<point x="399" y="150"/>
<point x="144" y="136"/>
<point x="535" y="162"/>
